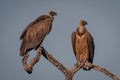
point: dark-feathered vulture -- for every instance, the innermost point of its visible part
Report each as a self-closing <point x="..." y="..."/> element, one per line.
<point x="35" y="32"/>
<point x="83" y="44"/>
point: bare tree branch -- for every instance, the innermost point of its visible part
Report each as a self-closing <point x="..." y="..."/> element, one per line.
<point x="28" y="67"/>
<point x="69" y="73"/>
<point x="54" y="62"/>
<point x="77" y="67"/>
<point x="103" y="70"/>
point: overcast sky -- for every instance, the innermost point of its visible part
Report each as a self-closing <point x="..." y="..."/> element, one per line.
<point x="103" y="17"/>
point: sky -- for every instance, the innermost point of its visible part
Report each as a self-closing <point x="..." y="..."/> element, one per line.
<point x="103" y="17"/>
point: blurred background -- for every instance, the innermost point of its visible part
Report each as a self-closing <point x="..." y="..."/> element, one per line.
<point x="103" y="17"/>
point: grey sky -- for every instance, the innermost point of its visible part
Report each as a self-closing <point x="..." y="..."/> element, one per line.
<point x="103" y="17"/>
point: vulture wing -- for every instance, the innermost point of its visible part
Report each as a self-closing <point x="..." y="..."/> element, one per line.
<point x="91" y="47"/>
<point x="43" y="17"/>
<point x="35" y="33"/>
<point x="73" y="36"/>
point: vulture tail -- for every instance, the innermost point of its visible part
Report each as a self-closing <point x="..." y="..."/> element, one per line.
<point x="23" y="48"/>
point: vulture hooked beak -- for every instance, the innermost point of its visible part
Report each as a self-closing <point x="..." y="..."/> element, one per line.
<point x="53" y="13"/>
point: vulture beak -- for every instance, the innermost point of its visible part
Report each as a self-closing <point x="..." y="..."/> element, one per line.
<point x="53" y="13"/>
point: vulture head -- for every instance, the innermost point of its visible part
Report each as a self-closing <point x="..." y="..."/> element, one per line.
<point x="52" y="13"/>
<point x="83" y="23"/>
<point x="81" y="29"/>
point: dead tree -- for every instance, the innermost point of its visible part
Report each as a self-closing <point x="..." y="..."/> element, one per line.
<point x="69" y="73"/>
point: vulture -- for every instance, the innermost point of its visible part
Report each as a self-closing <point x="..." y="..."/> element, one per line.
<point x="83" y="44"/>
<point x="34" y="34"/>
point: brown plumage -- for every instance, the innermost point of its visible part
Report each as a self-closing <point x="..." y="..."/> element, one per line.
<point x="83" y="44"/>
<point x="35" y="32"/>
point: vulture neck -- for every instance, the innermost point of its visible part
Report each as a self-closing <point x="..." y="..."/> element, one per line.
<point x="81" y="30"/>
<point x="52" y="17"/>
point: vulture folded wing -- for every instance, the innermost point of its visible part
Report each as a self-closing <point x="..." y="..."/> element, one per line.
<point x="73" y="38"/>
<point x="34" y="34"/>
<point x="91" y="47"/>
<point x="43" y="17"/>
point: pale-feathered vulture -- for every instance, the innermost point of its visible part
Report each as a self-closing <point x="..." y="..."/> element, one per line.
<point x="83" y="44"/>
<point x="35" y="32"/>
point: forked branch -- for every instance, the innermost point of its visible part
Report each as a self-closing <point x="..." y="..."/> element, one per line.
<point x="69" y="73"/>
